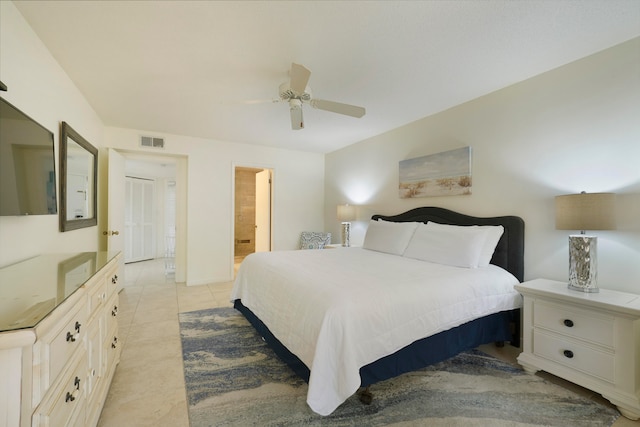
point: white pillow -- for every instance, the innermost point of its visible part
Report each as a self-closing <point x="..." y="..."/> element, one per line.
<point x="459" y="246"/>
<point x="494" y="232"/>
<point x="389" y="237"/>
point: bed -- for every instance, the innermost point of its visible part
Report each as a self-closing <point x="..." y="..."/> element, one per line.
<point x="426" y="285"/>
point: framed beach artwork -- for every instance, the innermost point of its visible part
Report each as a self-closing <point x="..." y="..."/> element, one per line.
<point x="442" y="174"/>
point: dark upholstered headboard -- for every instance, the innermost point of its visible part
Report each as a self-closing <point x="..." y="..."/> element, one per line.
<point x="509" y="253"/>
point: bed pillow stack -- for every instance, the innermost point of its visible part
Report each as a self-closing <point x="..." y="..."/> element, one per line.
<point x="460" y="246"/>
<point x="389" y="237"/>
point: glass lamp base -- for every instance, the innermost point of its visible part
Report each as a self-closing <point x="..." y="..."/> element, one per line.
<point x="583" y="270"/>
<point x="346" y="230"/>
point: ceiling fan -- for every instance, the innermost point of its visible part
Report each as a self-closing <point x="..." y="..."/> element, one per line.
<point x="296" y="92"/>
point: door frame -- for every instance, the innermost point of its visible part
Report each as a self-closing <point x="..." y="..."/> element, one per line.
<point x="235" y="165"/>
<point x="181" y="206"/>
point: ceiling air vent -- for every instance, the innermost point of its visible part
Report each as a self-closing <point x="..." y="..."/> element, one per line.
<point x="151" y="141"/>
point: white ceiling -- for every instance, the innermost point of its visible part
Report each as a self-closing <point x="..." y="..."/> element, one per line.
<point x="193" y="67"/>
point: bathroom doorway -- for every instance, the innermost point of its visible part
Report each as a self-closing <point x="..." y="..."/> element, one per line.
<point x="253" y="194"/>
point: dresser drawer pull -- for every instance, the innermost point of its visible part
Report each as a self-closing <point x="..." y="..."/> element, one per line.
<point x="115" y="342"/>
<point x="114" y="279"/>
<point x="568" y="323"/>
<point x="568" y="354"/>
<point x="78" y="327"/>
<point x="114" y="312"/>
<point x="71" y="337"/>
<point x="72" y="396"/>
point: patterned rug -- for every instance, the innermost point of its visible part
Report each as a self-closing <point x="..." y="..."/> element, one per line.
<point x="234" y="379"/>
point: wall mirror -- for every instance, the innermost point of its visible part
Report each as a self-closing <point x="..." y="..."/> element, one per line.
<point x="78" y="181"/>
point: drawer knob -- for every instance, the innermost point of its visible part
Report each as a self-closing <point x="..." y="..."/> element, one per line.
<point x="568" y="323"/>
<point x="70" y="397"/>
<point x="114" y="312"/>
<point x="114" y="344"/>
<point x="70" y="337"/>
<point x="78" y="327"/>
<point x="568" y="354"/>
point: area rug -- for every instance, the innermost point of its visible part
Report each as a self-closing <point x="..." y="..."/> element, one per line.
<point x="234" y="379"/>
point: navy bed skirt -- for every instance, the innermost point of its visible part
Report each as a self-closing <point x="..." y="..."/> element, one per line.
<point x="498" y="327"/>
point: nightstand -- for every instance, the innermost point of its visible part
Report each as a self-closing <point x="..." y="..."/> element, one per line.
<point x="591" y="339"/>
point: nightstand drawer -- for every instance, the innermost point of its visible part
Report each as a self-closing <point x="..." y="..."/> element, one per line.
<point x="575" y="322"/>
<point x="574" y="355"/>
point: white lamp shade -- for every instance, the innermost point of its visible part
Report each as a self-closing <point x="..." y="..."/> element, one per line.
<point x="346" y="213"/>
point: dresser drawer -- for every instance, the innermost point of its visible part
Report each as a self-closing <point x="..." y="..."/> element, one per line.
<point x="112" y="341"/>
<point x="97" y="296"/>
<point x="64" y="402"/>
<point x="65" y="343"/>
<point x="112" y="308"/>
<point x="111" y="279"/>
<point x="575" y="355"/>
<point x="575" y="322"/>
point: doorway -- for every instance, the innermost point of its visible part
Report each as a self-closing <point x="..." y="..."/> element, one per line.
<point x="253" y="191"/>
<point x="167" y="236"/>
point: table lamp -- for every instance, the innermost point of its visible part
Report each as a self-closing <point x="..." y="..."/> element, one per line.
<point x="346" y="214"/>
<point x="584" y="211"/>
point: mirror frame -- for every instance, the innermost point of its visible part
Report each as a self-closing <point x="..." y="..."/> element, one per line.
<point x="66" y="133"/>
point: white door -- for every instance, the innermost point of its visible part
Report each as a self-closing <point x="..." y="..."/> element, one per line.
<point x="139" y="220"/>
<point x="115" y="211"/>
<point x="263" y="211"/>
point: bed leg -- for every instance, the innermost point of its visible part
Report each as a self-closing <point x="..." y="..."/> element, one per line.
<point x="366" y="397"/>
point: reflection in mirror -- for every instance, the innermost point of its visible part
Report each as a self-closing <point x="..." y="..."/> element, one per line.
<point x="78" y="182"/>
<point x="73" y="273"/>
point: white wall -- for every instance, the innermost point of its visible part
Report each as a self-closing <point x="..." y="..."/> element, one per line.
<point x="298" y="195"/>
<point x="571" y="129"/>
<point x="41" y="89"/>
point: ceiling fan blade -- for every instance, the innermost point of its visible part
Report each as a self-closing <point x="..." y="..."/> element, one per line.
<point x="299" y="78"/>
<point x="260" y="101"/>
<point x="337" y="107"/>
<point x="297" y="122"/>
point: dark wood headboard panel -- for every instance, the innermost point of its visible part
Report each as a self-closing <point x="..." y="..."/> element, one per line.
<point x="509" y="253"/>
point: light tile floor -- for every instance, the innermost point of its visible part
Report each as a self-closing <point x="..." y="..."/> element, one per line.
<point x="148" y="388"/>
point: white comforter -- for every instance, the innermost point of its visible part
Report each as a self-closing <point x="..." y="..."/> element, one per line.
<point x="341" y="309"/>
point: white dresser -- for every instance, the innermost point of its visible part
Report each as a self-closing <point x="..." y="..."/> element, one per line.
<point x="591" y="339"/>
<point x="58" y="338"/>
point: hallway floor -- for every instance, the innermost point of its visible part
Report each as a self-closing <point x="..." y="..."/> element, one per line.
<point x="148" y="388"/>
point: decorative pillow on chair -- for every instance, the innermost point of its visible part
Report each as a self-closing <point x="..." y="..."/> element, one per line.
<point x="314" y="240"/>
